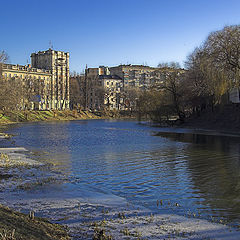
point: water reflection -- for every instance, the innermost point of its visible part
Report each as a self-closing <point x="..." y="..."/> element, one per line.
<point x="213" y="163"/>
<point x="47" y="142"/>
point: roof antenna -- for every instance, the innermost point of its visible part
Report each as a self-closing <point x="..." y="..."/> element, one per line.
<point x="50" y="45"/>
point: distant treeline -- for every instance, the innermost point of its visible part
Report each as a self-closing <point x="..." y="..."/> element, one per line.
<point x="211" y="72"/>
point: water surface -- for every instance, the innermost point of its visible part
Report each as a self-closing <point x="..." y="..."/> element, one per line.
<point x="199" y="172"/>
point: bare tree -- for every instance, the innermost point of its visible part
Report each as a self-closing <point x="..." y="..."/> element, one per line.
<point x="213" y="68"/>
<point x="173" y="65"/>
<point x="77" y="90"/>
<point x="15" y="92"/>
<point x="131" y="96"/>
<point x="3" y="57"/>
<point x="223" y="48"/>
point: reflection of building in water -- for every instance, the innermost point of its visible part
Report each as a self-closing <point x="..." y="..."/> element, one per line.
<point x="46" y="82"/>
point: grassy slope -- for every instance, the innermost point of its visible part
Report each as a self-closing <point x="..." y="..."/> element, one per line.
<point x="26" y="228"/>
<point x="25" y="116"/>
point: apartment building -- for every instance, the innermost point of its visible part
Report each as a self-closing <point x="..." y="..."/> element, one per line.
<point x="46" y="80"/>
<point x="58" y="63"/>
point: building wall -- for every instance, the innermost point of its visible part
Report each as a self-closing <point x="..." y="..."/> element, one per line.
<point x="112" y="97"/>
<point x="136" y="76"/>
<point x="139" y="76"/>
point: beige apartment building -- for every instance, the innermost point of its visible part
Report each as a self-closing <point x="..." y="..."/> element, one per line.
<point x="46" y="80"/>
<point x="118" y="87"/>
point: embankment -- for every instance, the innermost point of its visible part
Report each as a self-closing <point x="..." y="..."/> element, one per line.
<point x="223" y="118"/>
<point x="32" y="116"/>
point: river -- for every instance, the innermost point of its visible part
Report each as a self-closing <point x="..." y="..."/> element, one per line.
<point x="199" y="172"/>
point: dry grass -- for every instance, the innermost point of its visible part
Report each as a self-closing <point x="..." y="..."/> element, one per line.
<point x="15" y="225"/>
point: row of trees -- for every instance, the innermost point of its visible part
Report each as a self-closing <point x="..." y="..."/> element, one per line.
<point x="9" y="90"/>
<point x="212" y="70"/>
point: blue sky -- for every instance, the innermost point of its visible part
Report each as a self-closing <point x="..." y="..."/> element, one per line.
<point x="110" y="32"/>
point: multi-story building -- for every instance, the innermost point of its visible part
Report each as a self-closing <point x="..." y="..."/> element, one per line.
<point x="58" y="63"/>
<point x="119" y="87"/>
<point x="46" y="81"/>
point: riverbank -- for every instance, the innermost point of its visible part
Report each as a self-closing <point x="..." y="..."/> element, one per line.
<point x="66" y="115"/>
<point x="33" y="116"/>
<point x="224" y="118"/>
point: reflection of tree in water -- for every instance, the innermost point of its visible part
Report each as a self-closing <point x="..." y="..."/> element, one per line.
<point x="214" y="166"/>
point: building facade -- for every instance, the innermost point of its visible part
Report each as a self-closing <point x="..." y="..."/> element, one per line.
<point x="103" y="90"/>
<point x="113" y="88"/>
<point x="45" y="82"/>
<point x="137" y="76"/>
